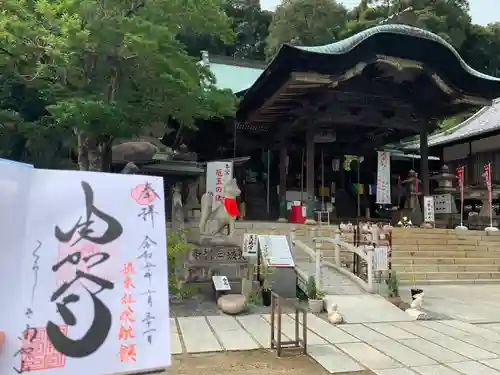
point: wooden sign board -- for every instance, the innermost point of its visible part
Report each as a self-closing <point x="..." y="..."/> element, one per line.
<point x="429" y="209"/>
<point x="275" y="249"/>
<point x="250" y="245"/>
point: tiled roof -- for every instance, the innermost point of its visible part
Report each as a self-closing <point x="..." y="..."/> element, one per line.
<point x="486" y="120"/>
<point x="346" y="45"/>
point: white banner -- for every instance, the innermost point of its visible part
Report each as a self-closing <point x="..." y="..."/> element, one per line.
<point x="384" y="178"/>
<point x="218" y="174"/>
<point x="94" y="291"/>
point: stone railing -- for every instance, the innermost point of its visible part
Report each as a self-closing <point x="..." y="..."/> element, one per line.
<point x="303" y="253"/>
<point x="364" y="254"/>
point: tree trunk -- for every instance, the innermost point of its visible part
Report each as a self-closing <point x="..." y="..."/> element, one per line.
<point x="89" y="152"/>
<point x="94" y="154"/>
<point x="107" y="155"/>
<point x="83" y="156"/>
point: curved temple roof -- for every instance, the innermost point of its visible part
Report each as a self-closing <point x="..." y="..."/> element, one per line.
<point x="450" y="72"/>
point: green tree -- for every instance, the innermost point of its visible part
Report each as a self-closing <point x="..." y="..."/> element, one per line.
<point x="481" y="48"/>
<point x="113" y="69"/>
<point x="305" y="22"/>
<point x="250" y="25"/>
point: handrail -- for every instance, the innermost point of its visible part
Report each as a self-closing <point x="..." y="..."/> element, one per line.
<point x="345" y="245"/>
<point x="306" y="248"/>
<point x="367" y="256"/>
<point x="316" y="255"/>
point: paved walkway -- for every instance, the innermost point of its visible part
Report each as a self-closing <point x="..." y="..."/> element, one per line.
<point x="473" y="303"/>
<point x="366" y="308"/>
<point x="333" y="282"/>
<point x="446" y="347"/>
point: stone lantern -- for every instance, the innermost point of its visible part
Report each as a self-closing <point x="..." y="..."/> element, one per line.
<point x="445" y="181"/>
<point x="412" y="197"/>
<point x="444" y="201"/>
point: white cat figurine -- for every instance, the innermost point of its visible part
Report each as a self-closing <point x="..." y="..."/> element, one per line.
<point x="334" y="316"/>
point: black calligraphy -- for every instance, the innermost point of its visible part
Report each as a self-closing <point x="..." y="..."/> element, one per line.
<point x="101" y="324"/>
<point x="148" y="213"/>
<point x="29" y="335"/>
<point x="35" y="268"/>
<point x="100" y="327"/>
<point x="113" y="231"/>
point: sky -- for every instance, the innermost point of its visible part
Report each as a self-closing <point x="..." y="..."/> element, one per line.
<point x="483" y="12"/>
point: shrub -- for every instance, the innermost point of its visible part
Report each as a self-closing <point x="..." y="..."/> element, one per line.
<point x="312" y="292"/>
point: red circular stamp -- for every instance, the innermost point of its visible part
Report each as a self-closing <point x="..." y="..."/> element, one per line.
<point x="143" y="194"/>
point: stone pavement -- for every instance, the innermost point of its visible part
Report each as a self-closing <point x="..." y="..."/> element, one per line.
<point x="472" y="303"/>
<point x="333" y="282"/>
<point x="376" y="309"/>
<point x="447" y="347"/>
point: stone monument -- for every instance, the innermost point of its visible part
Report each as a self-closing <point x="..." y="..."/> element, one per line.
<point x="215" y="252"/>
<point x="177" y="210"/>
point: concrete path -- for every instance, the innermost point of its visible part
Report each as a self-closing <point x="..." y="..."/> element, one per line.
<point x="366" y="308"/>
<point x="473" y="303"/>
<point x="446" y="347"/>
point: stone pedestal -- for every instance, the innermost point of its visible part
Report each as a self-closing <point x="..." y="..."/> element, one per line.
<point x="211" y="258"/>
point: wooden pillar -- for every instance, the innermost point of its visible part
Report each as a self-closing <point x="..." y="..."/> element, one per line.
<point x="282" y="191"/>
<point x="469" y="168"/>
<point x="424" y="162"/>
<point x="310" y="173"/>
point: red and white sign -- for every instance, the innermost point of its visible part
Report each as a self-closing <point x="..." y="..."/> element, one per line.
<point x="218" y="174"/>
<point x="460" y="178"/>
<point x="487" y="180"/>
<point x="384" y="178"/>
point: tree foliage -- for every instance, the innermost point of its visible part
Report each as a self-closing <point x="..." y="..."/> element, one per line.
<point x="305" y="22"/>
<point x="113" y="69"/>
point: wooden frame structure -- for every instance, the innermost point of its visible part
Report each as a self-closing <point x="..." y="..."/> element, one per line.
<point x="276" y="343"/>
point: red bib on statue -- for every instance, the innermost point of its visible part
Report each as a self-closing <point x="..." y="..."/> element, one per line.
<point x="231" y="206"/>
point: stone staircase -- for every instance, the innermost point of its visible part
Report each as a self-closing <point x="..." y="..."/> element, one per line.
<point x="440" y="256"/>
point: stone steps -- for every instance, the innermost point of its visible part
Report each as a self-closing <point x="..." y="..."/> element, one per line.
<point x="449" y="260"/>
<point x="446" y="268"/>
<point x="425" y="278"/>
<point x="445" y="256"/>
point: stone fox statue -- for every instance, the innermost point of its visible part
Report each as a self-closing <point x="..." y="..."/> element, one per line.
<point x="223" y="213"/>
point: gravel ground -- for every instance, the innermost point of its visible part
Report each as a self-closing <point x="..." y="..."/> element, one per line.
<point x="255" y="362"/>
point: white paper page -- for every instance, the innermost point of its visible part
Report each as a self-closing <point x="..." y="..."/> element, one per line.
<point x="127" y="222"/>
<point x="14" y="189"/>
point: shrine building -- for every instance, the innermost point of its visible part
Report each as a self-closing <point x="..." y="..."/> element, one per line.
<point x="303" y="117"/>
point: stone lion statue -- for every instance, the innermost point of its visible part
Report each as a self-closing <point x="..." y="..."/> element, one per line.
<point x="215" y="216"/>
